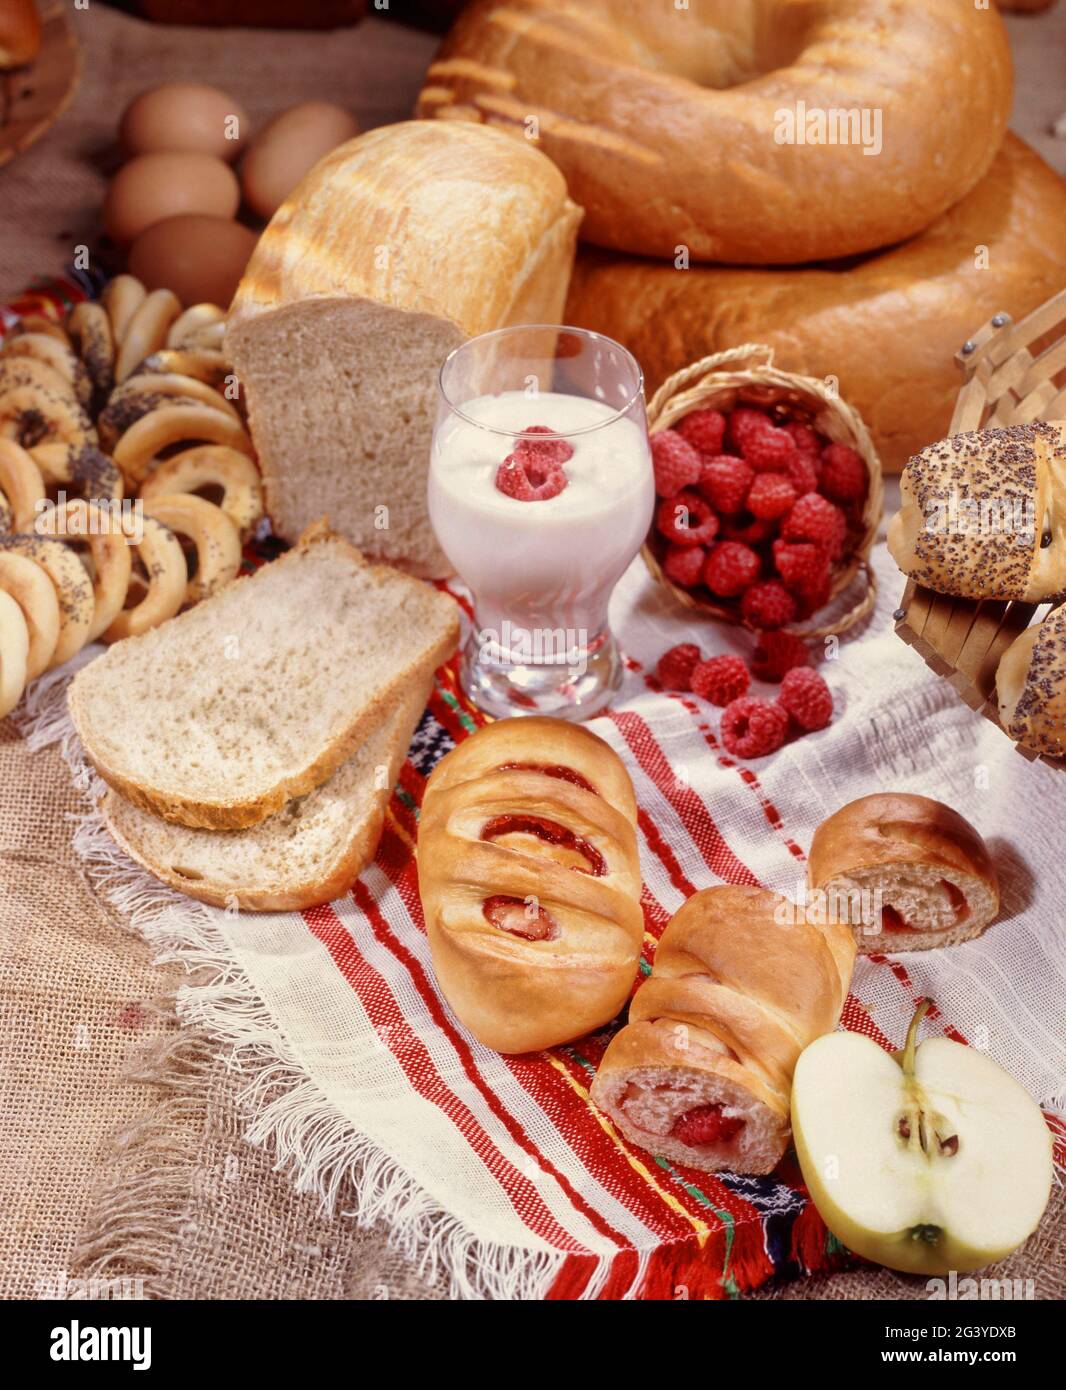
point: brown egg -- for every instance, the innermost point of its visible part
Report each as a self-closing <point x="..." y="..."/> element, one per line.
<point x="184" y="116"/>
<point x="199" y="258"/>
<point x="153" y="186"/>
<point x="287" y="147"/>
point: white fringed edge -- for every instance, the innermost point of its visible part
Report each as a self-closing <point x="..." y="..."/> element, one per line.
<point x="133" y="1222"/>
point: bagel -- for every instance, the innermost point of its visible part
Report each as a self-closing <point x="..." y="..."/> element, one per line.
<point x="85" y="468"/>
<point x="213" y="535"/>
<point x="18" y="371"/>
<point x="137" y="452"/>
<point x="33" y="591"/>
<point x="164" y="582"/>
<point x="201" y="326"/>
<point x="74" y="589"/>
<point x="205" y="364"/>
<point x="42" y="347"/>
<point x="37" y="415"/>
<point x="886" y="328"/>
<point x="38" y="323"/>
<point x="21" y="485"/>
<point x="110" y="550"/>
<point x="122" y="296"/>
<point x="140" y="394"/>
<point x="697" y="126"/>
<point x="90" y="329"/>
<point x="14" y="650"/>
<point x="146" y="331"/>
<point x="213" y="466"/>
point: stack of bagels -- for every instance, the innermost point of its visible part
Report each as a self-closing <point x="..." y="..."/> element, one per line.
<point x="816" y="177"/>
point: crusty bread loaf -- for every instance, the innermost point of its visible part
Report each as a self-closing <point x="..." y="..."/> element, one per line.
<point x="905" y="872"/>
<point x="255" y="696"/>
<point x="396" y="247"/>
<point x="887" y="326"/>
<point x="308" y="853"/>
<point x="671" y="121"/>
<point x="1031" y="686"/>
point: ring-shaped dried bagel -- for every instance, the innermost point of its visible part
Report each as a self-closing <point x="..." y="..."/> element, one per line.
<point x="214" y="536"/>
<point x="35" y="594"/>
<point x="87" y="468"/>
<point x="16" y="371"/>
<point x="109" y="547"/>
<point x="205" y="364"/>
<point x="201" y="325"/>
<point x="21" y="485"/>
<point x="42" y="347"/>
<point x="72" y="583"/>
<point x="40" y="323"/>
<point x="34" y="416"/>
<point x="137" y="452"/>
<point x="14" y="650"/>
<point x="146" y="331"/>
<point x="139" y="394"/>
<point x="90" y="328"/>
<point x="122" y="297"/>
<point x="165" y="581"/>
<point x="217" y="467"/>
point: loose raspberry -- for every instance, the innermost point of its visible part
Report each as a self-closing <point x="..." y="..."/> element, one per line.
<point x="705" y="1124"/>
<point x="704" y="430"/>
<point x="683" y="564"/>
<point x="769" y="451"/>
<point x="529" y="479"/>
<point x="730" y="568"/>
<point x="724" y="481"/>
<point x="554" y="450"/>
<point x="675" y="461"/>
<point x="806" y="440"/>
<point x="778" y="652"/>
<point x="720" y="680"/>
<point x="844" y="476"/>
<point x="744" y="422"/>
<point x="816" y="519"/>
<point x="768" y="605"/>
<point x="802" y="566"/>
<point x="677" y="665"/>
<point x="803" y="473"/>
<point x="687" y="519"/>
<point x="771" y="496"/>
<point x="807" y="698"/>
<point x="748" y="529"/>
<point x="752" y="727"/>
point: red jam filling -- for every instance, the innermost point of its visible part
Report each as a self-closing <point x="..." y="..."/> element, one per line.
<point x="552" y="833"/>
<point x="706" y="1125"/>
<point x="514" y="915"/>
<point x="892" y="921"/>
<point x="562" y="774"/>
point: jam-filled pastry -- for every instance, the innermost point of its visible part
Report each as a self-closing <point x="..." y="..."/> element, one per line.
<point x="702" y="1071"/>
<point x="530" y="882"/>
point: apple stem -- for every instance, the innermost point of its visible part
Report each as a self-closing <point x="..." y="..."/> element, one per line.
<point x="911" y="1045"/>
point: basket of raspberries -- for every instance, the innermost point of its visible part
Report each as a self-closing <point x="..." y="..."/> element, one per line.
<point x="768" y="495"/>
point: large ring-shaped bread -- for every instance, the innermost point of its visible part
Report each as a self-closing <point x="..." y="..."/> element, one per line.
<point x="33" y="591"/>
<point x="706" y="128"/>
<point x="213" y="466"/>
<point x="14" y="649"/>
<point x="73" y="586"/>
<point x="21" y="484"/>
<point x="137" y="452"/>
<point x="216" y="539"/>
<point x="101" y="529"/>
<point x="166" y="578"/>
<point x="145" y="392"/>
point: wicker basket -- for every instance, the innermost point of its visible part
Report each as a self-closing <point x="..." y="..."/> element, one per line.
<point x="747" y="376"/>
<point x="1015" y="373"/>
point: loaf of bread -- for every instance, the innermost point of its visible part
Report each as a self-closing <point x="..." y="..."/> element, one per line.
<point x="394" y="249"/>
<point x="905" y="873"/>
<point x="530" y="882"/>
<point x="887" y="327"/>
<point x="702" y="1071"/>
<point x="1031" y="686"/>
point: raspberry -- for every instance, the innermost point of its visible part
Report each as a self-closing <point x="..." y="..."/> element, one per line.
<point x="730" y="568"/>
<point x="675" y="461"/>
<point x="752" y="727"/>
<point x="704" y="430"/>
<point x="805" y="439"/>
<point x="771" y="496"/>
<point x="814" y="518"/>
<point x="803" y="567"/>
<point x="705" y="1124"/>
<point x="529" y="479"/>
<point x="807" y="698"/>
<point x="554" y="450"/>
<point x="778" y="652"/>
<point x="748" y="529"/>
<point x="677" y="665"/>
<point x="720" y="680"/>
<point x="676" y="514"/>
<point x="768" y="605"/>
<point x="744" y="422"/>
<point x="683" y="564"/>
<point x="803" y="473"/>
<point x="724" y="481"/>
<point x="769" y="450"/>
<point x="844" y="475"/>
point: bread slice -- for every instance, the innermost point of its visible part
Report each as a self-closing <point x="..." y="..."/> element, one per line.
<point x="308" y="853"/>
<point x="257" y="695"/>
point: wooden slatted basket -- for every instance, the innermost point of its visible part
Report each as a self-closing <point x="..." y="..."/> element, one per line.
<point x="1014" y="374"/>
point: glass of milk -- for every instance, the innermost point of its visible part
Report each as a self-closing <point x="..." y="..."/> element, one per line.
<point x="541" y="494"/>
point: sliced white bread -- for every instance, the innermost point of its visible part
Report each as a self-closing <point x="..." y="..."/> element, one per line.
<point x="309" y="853"/>
<point x="257" y="695"/>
